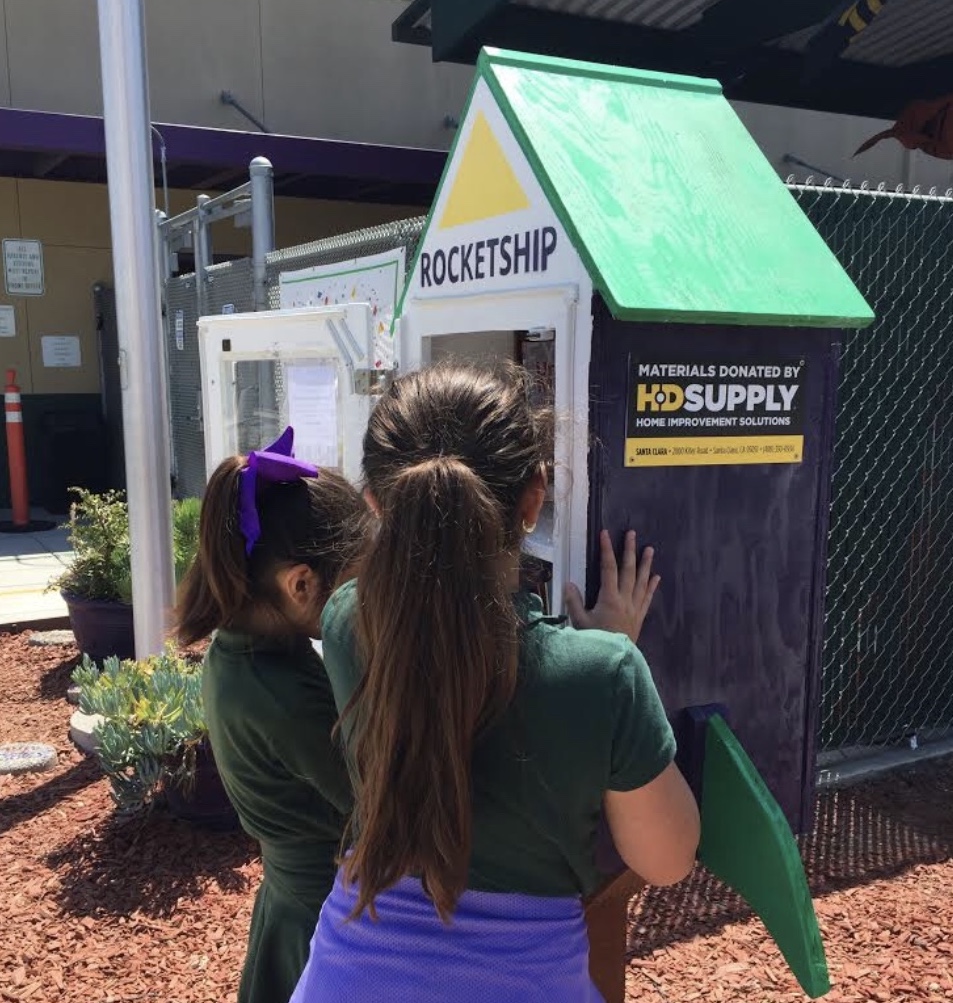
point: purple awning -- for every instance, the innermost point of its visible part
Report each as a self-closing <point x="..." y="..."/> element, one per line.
<point x="72" y="147"/>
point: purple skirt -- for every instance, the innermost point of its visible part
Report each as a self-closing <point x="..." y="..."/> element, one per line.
<point x="498" y="948"/>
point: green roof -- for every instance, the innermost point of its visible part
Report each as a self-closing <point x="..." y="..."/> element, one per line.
<point x="668" y="200"/>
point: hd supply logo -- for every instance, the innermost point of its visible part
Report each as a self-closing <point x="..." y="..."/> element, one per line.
<point x="714" y="413"/>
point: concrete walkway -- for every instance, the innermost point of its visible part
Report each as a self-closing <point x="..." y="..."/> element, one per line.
<point x="27" y="563"/>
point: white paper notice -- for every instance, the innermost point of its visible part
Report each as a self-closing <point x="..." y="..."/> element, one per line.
<point x="8" y="322"/>
<point x="312" y="395"/>
<point x="61" y="351"/>
<point x="180" y="330"/>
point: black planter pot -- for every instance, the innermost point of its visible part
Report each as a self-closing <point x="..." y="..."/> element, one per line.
<point x="102" y="628"/>
<point x="204" y="801"/>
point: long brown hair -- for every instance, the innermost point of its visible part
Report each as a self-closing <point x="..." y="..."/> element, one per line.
<point x="448" y="454"/>
<point x="322" y="522"/>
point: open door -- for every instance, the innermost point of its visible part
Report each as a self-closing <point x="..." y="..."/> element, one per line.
<point x="309" y="368"/>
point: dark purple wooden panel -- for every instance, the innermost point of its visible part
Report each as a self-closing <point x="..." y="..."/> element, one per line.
<point x="741" y="549"/>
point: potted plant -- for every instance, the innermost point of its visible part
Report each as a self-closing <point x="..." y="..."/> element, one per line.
<point x="97" y="585"/>
<point x="152" y="740"/>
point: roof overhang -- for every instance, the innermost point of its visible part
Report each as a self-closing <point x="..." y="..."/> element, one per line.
<point x="72" y="148"/>
<point x="760" y="52"/>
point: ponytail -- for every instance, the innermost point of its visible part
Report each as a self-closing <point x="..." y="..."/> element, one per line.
<point x="216" y="585"/>
<point x="437" y="634"/>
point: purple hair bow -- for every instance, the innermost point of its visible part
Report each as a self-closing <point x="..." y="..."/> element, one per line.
<point x="274" y="465"/>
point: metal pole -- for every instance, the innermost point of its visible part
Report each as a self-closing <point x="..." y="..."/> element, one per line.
<point x="165" y="274"/>
<point x="142" y="356"/>
<point x="165" y="169"/>
<point x="202" y="252"/>
<point x="263" y="241"/>
<point x="262" y="224"/>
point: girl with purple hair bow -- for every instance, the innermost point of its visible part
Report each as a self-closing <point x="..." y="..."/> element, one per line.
<point x="276" y="538"/>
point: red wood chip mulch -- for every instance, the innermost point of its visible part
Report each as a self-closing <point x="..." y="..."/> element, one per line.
<point x="94" y="909"/>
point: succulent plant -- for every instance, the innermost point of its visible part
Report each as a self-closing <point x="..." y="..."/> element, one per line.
<point x="153" y="721"/>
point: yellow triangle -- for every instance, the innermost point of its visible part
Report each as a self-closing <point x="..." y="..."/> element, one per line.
<point x="485" y="185"/>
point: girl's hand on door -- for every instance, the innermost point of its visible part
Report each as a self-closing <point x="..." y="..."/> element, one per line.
<point x="625" y="595"/>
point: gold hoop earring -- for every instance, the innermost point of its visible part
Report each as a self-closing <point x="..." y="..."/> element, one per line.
<point x="529" y="529"/>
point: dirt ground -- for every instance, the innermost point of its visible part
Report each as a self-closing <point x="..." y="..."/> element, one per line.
<point x="94" y="910"/>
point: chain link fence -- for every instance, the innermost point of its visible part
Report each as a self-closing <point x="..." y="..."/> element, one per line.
<point x="888" y="652"/>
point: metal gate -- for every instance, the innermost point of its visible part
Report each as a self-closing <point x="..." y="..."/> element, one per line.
<point x="229" y="290"/>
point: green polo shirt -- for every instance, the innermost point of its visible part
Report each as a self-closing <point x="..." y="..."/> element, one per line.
<point x="586" y="718"/>
<point x="270" y="712"/>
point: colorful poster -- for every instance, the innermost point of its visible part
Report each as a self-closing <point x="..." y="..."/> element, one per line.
<point x="714" y="413"/>
<point x="377" y="280"/>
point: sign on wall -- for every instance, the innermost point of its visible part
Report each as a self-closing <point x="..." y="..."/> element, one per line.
<point x="713" y="413"/>
<point x="8" y="322"/>
<point x="23" y="268"/>
<point x="61" y="351"/>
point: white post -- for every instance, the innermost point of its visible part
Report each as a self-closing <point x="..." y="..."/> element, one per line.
<point x="262" y="224"/>
<point x="122" y="50"/>
<point x="261" y="175"/>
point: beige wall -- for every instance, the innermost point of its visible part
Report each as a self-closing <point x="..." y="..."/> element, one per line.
<point x="829" y="142"/>
<point x="14" y="352"/>
<point x="308" y="67"/>
<point x="329" y="68"/>
<point x="72" y="222"/>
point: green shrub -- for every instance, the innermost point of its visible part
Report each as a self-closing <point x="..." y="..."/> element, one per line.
<point x="185" y="534"/>
<point x="101" y="567"/>
<point x="99" y="535"/>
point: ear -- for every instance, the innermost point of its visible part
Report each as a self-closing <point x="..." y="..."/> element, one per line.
<point x="300" y="586"/>
<point x="372" y="502"/>
<point x="532" y="500"/>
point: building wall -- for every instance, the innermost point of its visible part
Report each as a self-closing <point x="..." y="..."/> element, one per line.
<point x="62" y="406"/>
<point x="306" y="67"/>
<point x="72" y="222"/>
<point x="828" y="143"/>
<point x="330" y="69"/>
